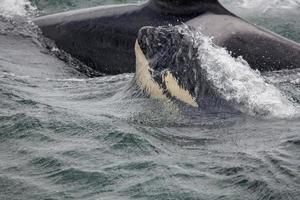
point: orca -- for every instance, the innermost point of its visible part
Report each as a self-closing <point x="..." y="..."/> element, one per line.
<point x="179" y="64"/>
<point x="104" y="37"/>
<point x="168" y="66"/>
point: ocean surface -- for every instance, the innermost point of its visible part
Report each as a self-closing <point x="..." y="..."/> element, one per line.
<point x="67" y="133"/>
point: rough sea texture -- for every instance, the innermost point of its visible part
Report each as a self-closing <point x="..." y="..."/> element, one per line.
<point x="65" y="135"/>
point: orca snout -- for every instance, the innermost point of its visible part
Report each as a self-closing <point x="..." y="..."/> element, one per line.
<point x="153" y="41"/>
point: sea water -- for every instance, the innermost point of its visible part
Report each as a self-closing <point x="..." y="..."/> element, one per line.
<point x="68" y="134"/>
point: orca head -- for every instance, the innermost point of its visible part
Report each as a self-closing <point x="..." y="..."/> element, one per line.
<point x="167" y="64"/>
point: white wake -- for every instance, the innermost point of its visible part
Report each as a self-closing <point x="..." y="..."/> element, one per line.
<point x="236" y="82"/>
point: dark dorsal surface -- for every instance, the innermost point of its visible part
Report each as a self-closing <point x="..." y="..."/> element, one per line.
<point x="187" y="7"/>
<point x="104" y="37"/>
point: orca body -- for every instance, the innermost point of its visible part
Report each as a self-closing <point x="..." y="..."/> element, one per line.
<point x="104" y="37"/>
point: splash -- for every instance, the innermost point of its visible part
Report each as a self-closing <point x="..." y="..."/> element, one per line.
<point x="236" y="82"/>
<point x="16" y="7"/>
<point x="278" y="4"/>
<point x="264" y="5"/>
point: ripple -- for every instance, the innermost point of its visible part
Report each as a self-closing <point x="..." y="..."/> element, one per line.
<point x="85" y="178"/>
<point x="46" y="162"/>
<point x="133" y="166"/>
<point x="229" y="171"/>
<point x="295" y="142"/>
<point x="22" y="126"/>
<point x="20" y="188"/>
<point x="129" y="142"/>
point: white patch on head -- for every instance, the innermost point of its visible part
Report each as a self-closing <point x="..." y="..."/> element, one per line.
<point x="143" y="76"/>
<point x="179" y="92"/>
<point x="146" y="82"/>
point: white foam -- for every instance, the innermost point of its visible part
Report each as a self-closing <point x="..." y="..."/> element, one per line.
<point x="238" y="83"/>
<point x="15" y="7"/>
<point x="262" y="4"/>
<point x="283" y="4"/>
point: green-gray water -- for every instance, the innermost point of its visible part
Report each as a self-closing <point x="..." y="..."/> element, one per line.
<point x="66" y="136"/>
